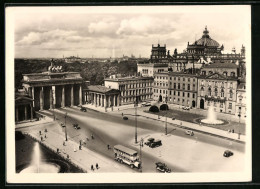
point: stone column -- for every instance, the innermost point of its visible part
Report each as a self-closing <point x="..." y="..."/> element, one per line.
<point x="63" y="96"/>
<point x="33" y="96"/>
<point x="105" y="101"/>
<point x="31" y="111"/>
<point x="108" y="102"/>
<point x="25" y="112"/>
<point x="114" y="101"/>
<point x="16" y="115"/>
<point x="72" y="96"/>
<point x="118" y="100"/>
<point x="53" y="95"/>
<point x="102" y="100"/>
<point x="41" y="98"/>
<point x="80" y="95"/>
<point x="95" y="99"/>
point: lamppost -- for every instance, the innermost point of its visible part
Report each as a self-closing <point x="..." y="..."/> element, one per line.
<point x="166" y="115"/>
<point x="141" y="145"/>
<point x="66" y="137"/>
<point x="53" y="104"/>
<point x="136" y="104"/>
<point x="239" y="115"/>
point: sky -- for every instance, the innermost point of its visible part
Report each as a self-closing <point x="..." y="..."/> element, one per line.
<point x="102" y="32"/>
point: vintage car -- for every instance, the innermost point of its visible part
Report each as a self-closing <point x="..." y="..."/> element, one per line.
<point x="76" y="126"/>
<point x="228" y="153"/>
<point x="189" y="132"/>
<point x="149" y="141"/>
<point x="125" y="118"/>
<point x="83" y="109"/>
<point x="155" y="143"/>
<point x="162" y="167"/>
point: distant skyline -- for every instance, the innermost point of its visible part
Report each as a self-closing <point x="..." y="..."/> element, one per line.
<point x="113" y="31"/>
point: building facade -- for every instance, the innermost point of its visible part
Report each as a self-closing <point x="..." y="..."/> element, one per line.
<point x="23" y="108"/>
<point x="160" y="86"/>
<point x="131" y="87"/>
<point x="53" y="89"/>
<point x="101" y="96"/>
<point x="241" y="101"/>
<point x="218" y="91"/>
<point x="148" y="70"/>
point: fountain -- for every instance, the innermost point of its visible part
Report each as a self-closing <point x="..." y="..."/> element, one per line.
<point x="39" y="166"/>
<point x="212" y="118"/>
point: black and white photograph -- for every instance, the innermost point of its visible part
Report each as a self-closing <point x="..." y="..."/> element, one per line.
<point x="128" y="94"/>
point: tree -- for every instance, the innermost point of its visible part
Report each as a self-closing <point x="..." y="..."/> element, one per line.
<point x="164" y="107"/>
<point x="153" y="109"/>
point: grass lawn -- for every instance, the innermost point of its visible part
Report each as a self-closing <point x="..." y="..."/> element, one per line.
<point x="185" y="115"/>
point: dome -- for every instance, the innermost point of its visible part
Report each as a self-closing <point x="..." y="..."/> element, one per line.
<point x="206" y="40"/>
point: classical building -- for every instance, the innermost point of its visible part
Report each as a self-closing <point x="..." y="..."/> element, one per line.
<point x="158" y="54"/>
<point x="23" y="108"/>
<point x="54" y="88"/>
<point x="160" y="87"/>
<point x="148" y="70"/>
<point x="217" y="86"/>
<point x="131" y="87"/>
<point x="176" y="88"/>
<point x="241" y="101"/>
<point x="101" y="96"/>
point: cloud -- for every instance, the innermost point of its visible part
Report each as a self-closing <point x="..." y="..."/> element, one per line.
<point x="102" y="27"/>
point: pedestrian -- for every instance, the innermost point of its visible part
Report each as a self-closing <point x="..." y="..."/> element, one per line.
<point x="96" y="165"/>
<point x="63" y="143"/>
<point x="46" y="131"/>
<point x="40" y="132"/>
<point x="80" y="142"/>
<point x="68" y="156"/>
<point x="41" y="138"/>
<point x="122" y="114"/>
<point x="57" y="150"/>
<point x="84" y="142"/>
<point x="45" y="136"/>
<point x="92" y="136"/>
<point x="180" y="123"/>
<point x="92" y="167"/>
<point x="108" y="147"/>
<point x="87" y="139"/>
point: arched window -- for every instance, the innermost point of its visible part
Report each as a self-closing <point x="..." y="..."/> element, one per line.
<point x="222" y="92"/>
<point x="225" y="73"/>
<point x="216" y="92"/>
<point x="209" y="91"/>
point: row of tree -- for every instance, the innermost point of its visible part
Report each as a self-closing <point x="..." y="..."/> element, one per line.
<point x="94" y="72"/>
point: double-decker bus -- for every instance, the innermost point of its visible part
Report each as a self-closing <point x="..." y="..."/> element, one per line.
<point x="127" y="156"/>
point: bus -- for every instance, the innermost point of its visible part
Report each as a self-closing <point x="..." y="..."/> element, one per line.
<point x="127" y="156"/>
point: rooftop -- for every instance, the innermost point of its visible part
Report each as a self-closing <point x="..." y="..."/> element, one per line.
<point x="100" y="88"/>
<point x="128" y="78"/>
<point x="221" y="65"/>
<point x="156" y="65"/>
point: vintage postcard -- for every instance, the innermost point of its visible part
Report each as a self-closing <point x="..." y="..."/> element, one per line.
<point x="128" y="94"/>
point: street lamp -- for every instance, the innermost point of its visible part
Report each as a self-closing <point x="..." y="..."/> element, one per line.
<point x="141" y="145"/>
<point x="239" y="115"/>
<point x="166" y="116"/>
<point x="66" y="137"/>
<point x="53" y="104"/>
<point x="136" y="104"/>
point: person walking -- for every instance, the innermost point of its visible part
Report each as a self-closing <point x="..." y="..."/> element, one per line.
<point x="96" y="165"/>
<point x="45" y="136"/>
<point x="92" y="136"/>
<point x="108" y="147"/>
<point x="92" y="167"/>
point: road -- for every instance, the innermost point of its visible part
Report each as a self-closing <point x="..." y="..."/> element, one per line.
<point x="110" y="128"/>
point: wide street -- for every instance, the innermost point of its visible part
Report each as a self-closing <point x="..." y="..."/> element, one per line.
<point x="181" y="152"/>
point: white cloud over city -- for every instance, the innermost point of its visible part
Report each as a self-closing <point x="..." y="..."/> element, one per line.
<point x="87" y="34"/>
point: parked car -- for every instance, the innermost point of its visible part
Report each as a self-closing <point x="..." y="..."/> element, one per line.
<point x="162" y="167"/>
<point x="125" y="118"/>
<point x="146" y="104"/>
<point x="155" y="143"/>
<point x="76" y="126"/>
<point x="228" y="153"/>
<point x="189" y="132"/>
<point x="149" y="141"/>
<point x="173" y="118"/>
<point x="185" y="107"/>
<point x="83" y="109"/>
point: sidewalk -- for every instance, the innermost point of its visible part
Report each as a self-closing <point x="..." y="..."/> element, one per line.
<point x="114" y="109"/>
<point x="83" y="158"/>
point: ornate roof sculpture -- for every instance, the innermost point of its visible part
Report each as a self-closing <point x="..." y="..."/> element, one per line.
<point x="206" y="40"/>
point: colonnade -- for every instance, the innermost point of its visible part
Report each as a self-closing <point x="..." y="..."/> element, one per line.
<point x="103" y="100"/>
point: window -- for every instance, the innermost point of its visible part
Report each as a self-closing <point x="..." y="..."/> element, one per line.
<point x="170" y="92"/>
<point x="193" y="95"/>
<point x="160" y="91"/>
<point x="193" y="79"/>
<point x="230" y="106"/>
<point x="209" y="91"/>
<point x="182" y="100"/>
<point x="179" y="86"/>
<point x="222" y="92"/>
<point x="188" y="79"/>
<point x="193" y="86"/>
<point x="173" y="92"/>
<point x="179" y="78"/>
<point x="188" y="94"/>
<point x="215" y="104"/>
<point x="231" y="93"/>
<point x="221" y="104"/>
<point x="170" y="78"/>
<point x="183" y="94"/>
<point x="225" y="73"/>
<point x="174" y="85"/>
<point x="163" y="91"/>
<point x="188" y="86"/>
<point x="184" y="79"/>
<point x="174" y="78"/>
<point x="178" y="93"/>
<point x="183" y="86"/>
<point x="216" y="92"/>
